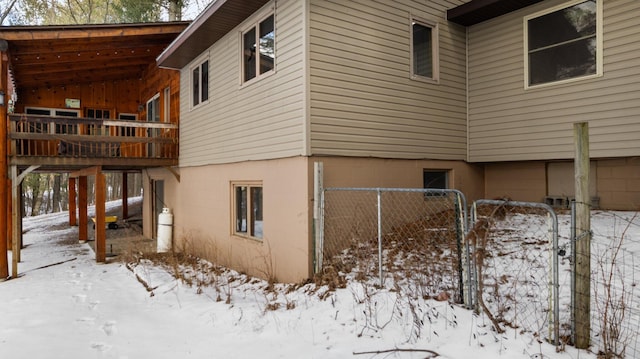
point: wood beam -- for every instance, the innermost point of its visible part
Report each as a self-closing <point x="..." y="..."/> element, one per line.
<point x="89" y="171"/>
<point x="104" y="64"/>
<point x="54" y="163"/>
<point x="4" y="86"/>
<point x="24" y="173"/>
<point x="94" y="139"/>
<point x="16" y="220"/>
<point x="88" y="32"/>
<point x="83" y="235"/>
<point x="9" y="213"/>
<point x="100" y="220"/>
<point x="73" y="219"/>
<point x="174" y="172"/>
<point x="32" y="55"/>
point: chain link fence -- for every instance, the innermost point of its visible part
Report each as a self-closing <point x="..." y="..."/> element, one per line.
<point x="408" y="238"/>
<point x="615" y="300"/>
<point x="515" y="261"/>
<point x="514" y="251"/>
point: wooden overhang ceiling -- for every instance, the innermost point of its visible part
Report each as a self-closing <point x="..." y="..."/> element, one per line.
<point x="48" y="56"/>
<point x="220" y="17"/>
<point x="477" y="11"/>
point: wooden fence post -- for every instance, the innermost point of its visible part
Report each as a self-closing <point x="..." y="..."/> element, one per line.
<point x="582" y="264"/>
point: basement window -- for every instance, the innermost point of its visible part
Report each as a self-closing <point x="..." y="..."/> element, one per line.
<point x="435" y="179"/>
<point x="247" y="210"/>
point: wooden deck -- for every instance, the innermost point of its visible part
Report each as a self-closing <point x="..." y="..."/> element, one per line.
<point x="69" y="142"/>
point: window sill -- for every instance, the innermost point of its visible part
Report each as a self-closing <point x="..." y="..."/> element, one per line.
<point x="257" y="79"/>
<point x="248" y="237"/>
<point x="199" y="106"/>
<point x="562" y="82"/>
<point x="424" y="79"/>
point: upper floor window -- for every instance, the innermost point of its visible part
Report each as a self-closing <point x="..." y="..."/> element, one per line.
<point x="563" y="43"/>
<point x="258" y="49"/>
<point x="424" y="50"/>
<point x="200" y="83"/>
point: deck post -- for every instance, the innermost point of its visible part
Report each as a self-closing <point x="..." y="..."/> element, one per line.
<point x="100" y="230"/>
<point x="4" y="258"/>
<point x="125" y="196"/>
<point x="9" y="214"/>
<point x="73" y="219"/>
<point x="83" y="234"/>
<point x="16" y="220"/>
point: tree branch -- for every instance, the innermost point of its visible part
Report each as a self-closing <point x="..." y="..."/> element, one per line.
<point x="6" y="11"/>
<point x="433" y="354"/>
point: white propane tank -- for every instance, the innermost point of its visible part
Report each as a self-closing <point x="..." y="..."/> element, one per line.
<point x="165" y="230"/>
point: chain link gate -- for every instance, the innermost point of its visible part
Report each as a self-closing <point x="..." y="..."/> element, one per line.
<point x="395" y="237"/>
<point x="514" y="250"/>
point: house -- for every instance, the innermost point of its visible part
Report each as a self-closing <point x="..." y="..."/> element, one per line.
<point x="84" y="100"/>
<point x="389" y="94"/>
<point x="478" y="95"/>
<point x="535" y="71"/>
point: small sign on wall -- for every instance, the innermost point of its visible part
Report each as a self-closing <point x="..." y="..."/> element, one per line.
<point x="72" y="102"/>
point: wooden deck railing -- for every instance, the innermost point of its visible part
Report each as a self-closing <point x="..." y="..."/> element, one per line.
<point x="35" y="135"/>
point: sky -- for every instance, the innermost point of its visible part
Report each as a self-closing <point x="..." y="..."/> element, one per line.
<point x="65" y="305"/>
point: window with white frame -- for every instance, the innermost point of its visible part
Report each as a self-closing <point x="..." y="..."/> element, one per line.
<point x="563" y="43"/>
<point x="153" y="109"/>
<point x="258" y="49"/>
<point x="247" y="210"/>
<point x="200" y="83"/>
<point x="43" y="127"/>
<point x="424" y="50"/>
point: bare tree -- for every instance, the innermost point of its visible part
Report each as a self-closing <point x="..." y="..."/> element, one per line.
<point x="5" y="10"/>
<point x="55" y="197"/>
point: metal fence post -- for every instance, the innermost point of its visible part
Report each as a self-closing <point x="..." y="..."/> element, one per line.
<point x="556" y="279"/>
<point x="572" y="240"/>
<point x="471" y="266"/>
<point x="379" y="196"/>
<point x="317" y="214"/>
<point x="459" y="239"/>
<point x="320" y="244"/>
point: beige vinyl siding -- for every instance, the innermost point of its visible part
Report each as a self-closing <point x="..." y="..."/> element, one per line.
<point x="259" y="120"/>
<point x="362" y="100"/>
<point x="507" y="122"/>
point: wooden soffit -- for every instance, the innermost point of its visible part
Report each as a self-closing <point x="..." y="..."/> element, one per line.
<point x="220" y="17"/>
<point x="47" y="56"/>
<point x="477" y="11"/>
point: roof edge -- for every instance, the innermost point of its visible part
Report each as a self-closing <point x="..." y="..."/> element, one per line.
<point x="12" y="33"/>
<point x="182" y="38"/>
<point x="477" y="11"/>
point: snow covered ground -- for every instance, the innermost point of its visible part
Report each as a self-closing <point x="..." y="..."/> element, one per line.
<point x="80" y="309"/>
